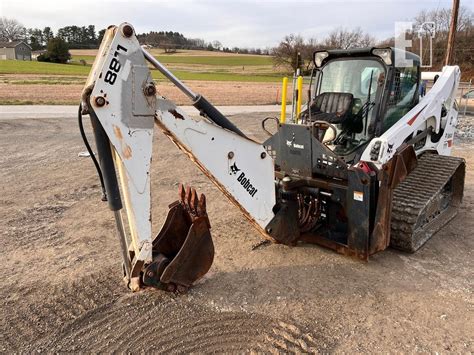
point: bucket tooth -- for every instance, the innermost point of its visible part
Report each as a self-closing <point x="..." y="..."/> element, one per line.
<point x="181" y="193"/>
<point x="187" y="198"/>
<point x="193" y="203"/>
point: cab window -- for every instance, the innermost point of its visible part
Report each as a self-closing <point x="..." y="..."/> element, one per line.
<point x="403" y="95"/>
<point x="352" y="76"/>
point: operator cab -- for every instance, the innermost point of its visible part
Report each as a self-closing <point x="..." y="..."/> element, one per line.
<point x="357" y="95"/>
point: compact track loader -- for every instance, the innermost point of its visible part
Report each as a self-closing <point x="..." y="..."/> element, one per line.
<point x="364" y="166"/>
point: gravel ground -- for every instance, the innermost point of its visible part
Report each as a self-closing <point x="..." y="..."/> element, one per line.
<point x="62" y="290"/>
<point x="465" y="127"/>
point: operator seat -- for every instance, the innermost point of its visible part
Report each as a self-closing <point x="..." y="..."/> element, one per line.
<point x="332" y="107"/>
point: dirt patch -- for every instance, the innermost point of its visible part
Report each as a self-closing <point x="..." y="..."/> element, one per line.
<point x="94" y="314"/>
<point x="62" y="289"/>
<point x="219" y="93"/>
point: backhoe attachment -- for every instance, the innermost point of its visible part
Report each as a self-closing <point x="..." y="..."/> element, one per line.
<point x="122" y="102"/>
<point x="183" y="250"/>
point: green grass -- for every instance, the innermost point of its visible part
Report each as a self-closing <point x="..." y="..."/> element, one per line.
<point x="36" y="102"/>
<point x="33" y="67"/>
<point x="88" y="58"/>
<point x="185" y="75"/>
<point x="218" y="60"/>
<point x="46" y="79"/>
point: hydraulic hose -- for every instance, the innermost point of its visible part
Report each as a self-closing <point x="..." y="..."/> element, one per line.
<point x="91" y="153"/>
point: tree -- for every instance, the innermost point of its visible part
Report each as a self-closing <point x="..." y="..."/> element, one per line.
<point x="100" y="35"/>
<point x="47" y="34"/>
<point x="35" y="38"/>
<point x="463" y="53"/>
<point x="11" y="29"/>
<point x="367" y="41"/>
<point x="441" y="19"/>
<point x="79" y="36"/>
<point x="286" y="53"/>
<point x="309" y="48"/>
<point x="34" y="44"/>
<point x="217" y="45"/>
<point x="91" y="36"/>
<point x="342" y="38"/>
<point x="209" y="47"/>
<point x="57" y="51"/>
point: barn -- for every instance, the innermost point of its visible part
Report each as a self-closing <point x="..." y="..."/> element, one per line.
<point x="16" y="50"/>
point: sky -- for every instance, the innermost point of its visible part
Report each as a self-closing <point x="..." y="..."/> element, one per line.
<point x="242" y="23"/>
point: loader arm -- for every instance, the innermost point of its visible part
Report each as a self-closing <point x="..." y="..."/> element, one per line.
<point x="120" y="97"/>
<point x="433" y="119"/>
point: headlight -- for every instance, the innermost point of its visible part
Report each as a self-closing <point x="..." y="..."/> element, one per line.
<point x="319" y="57"/>
<point x="384" y="53"/>
<point x="375" y="150"/>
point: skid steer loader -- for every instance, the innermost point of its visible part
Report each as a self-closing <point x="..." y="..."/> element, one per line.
<point x="365" y="166"/>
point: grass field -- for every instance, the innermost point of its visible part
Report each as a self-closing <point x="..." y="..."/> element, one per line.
<point x="218" y="68"/>
<point x="203" y="76"/>
<point x="33" y="67"/>
<point x="19" y="67"/>
<point x="180" y="52"/>
<point x="32" y="82"/>
<point x="231" y="60"/>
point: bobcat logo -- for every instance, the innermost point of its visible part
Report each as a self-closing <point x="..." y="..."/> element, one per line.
<point x="390" y="148"/>
<point x="234" y="169"/>
<point x="292" y="144"/>
<point x="243" y="180"/>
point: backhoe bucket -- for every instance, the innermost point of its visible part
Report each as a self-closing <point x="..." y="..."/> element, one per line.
<point x="183" y="250"/>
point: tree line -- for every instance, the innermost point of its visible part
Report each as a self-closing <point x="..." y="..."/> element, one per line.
<point x="172" y="41"/>
<point x="294" y="51"/>
<point x="87" y="37"/>
<point x="76" y="37"/>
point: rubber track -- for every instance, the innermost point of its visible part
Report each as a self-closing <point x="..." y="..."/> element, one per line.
<point x="414" y="194"/>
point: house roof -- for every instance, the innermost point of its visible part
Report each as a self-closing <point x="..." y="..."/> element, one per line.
<point x="12" y="44"/>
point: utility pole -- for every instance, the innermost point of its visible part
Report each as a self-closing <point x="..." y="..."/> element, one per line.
<point x="452" y="33"/>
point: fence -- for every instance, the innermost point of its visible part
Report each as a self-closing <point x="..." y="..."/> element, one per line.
<point x="466" y="98"/>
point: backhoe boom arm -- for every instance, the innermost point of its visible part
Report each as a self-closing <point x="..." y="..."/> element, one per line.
<point x="120" y="95"/>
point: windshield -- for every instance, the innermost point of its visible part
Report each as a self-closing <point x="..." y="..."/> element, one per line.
<point x="352" y="76"/>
